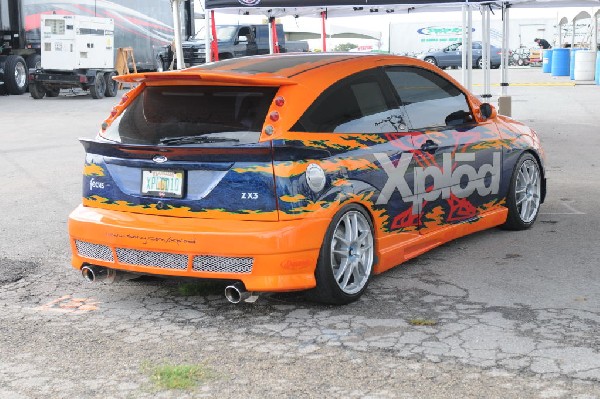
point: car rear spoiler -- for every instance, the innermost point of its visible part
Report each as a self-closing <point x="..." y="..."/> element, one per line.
<point x="206" y="76"/>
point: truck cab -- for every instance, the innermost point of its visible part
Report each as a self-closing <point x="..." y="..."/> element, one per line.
<point x="233" y="40"/>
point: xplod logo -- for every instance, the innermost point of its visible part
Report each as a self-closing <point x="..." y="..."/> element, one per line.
<point x="445" y="180"/>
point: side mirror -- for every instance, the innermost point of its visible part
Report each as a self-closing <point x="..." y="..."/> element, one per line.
<point x="487" y="111"/>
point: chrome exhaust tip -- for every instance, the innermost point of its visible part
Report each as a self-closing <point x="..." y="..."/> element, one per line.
<point x="237" y="293"/>
<point x="96" y="274"/>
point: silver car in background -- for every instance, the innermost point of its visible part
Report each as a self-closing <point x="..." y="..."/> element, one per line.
<point x="451" y="56"/>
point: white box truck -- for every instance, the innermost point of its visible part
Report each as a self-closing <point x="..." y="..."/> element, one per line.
<point x="77" y="51"/>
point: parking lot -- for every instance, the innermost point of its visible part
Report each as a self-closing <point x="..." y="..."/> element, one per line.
<point x="497" y="314"/>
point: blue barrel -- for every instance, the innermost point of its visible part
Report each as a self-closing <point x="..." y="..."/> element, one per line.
<point x="560" y="62"/>
<point x="572" y="62"/>
<point x="547" y="61"/>
<point x="598" y="68"/>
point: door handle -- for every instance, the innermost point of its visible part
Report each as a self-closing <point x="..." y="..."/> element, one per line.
<point x="429" y="146"/>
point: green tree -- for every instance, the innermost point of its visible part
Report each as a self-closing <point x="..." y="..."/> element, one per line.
<point x="345" y="47"/>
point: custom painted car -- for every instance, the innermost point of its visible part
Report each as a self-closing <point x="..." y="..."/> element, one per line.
<point x="297" y="172"/>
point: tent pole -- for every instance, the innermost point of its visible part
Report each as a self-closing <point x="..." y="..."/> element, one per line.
<point x="505" y="101"/>
<point x="324" y="32"/>
<point x="469" y="48"/>
<point x="573" y="35"/>
<point x="485" y="51"/>
<point x="594" y="44"/>
<point x="271" y="49"/>
<point x="505" y="48"/>
<point x="207" y="51"/>
<point x="177" y="29"/>
<point x="275" y="40"/>
<point x="464" y="45"/>
<point x="214" y="45"/>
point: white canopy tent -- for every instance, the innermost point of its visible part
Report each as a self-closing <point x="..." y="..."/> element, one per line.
<point x="333" y="8"/>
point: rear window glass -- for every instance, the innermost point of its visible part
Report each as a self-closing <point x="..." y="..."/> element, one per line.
<point x="180" y="115"/>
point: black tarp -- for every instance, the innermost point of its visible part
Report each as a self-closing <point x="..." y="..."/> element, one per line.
<point x="214" y="4"/>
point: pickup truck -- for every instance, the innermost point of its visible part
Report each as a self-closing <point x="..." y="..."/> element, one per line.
<point x="234" y="41"/>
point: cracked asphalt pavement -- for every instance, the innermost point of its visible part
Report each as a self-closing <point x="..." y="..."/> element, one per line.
<point x="494" y="315"/>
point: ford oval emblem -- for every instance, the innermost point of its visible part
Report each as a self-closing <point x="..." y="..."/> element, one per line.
<point x="160" y="159"/>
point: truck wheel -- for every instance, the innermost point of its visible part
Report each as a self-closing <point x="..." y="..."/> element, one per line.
<point x="99" y="87"/>
<point x="15" y="74"/>
<point x="112" y="86"/>
<point x="37" y="91"/>
<point x="34" y="61"/>
<point x="52" y="91"/>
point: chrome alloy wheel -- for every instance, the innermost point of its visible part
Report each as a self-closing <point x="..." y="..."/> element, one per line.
<point x="528" y="191"/>
<point x="20" y="74"/>
<point x="352" y="252"/>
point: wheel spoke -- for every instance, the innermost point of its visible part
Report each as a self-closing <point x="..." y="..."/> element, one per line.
<point x="342" y="269"/>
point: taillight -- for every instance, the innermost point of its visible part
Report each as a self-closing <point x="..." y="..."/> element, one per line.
<point x="279" y="101"/>
<point x="274" y="116"/>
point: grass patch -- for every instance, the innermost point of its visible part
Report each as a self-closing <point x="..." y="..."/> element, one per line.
<point x="202" y="288"/>
<point x="422" y="322"/>
<point x="183" y="376"/>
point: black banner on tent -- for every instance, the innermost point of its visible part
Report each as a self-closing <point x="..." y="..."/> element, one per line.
<point x="212" y="4"/>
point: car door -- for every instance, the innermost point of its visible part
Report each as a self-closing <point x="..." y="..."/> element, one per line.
<point x="457" y="175"/>
<point x="453" y="55"/>
<point x="355" y="132"/>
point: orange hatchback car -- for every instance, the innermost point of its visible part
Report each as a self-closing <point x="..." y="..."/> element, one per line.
<point x="297" y="172"/>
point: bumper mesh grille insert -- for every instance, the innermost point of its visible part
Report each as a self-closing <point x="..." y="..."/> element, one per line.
<point x="94" y="251"/>
<point x="222" y="264"/>
<point x="164" y="260"/>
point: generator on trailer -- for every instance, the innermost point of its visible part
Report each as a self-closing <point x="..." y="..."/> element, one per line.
<point x="77" y="52"/>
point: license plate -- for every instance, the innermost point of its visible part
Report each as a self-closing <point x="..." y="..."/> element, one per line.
<point x="162" y="183"/>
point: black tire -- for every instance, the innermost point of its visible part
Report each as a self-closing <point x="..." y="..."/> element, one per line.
<point x="524" y="191"/>
<point x="16" y="74"/>
<point x="112" y="86"/>
<point x="431" y="60"/>
<point x="358" y="255"/>
<point x="37" y="91"/>
<point x="478" y="63"/>
<point x="99" y="87"/>
<point x="520" y="62"/>
<point x="34" y="61"/>
<point x="53" y="91"/>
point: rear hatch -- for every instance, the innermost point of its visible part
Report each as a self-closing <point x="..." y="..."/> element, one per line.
<point x="185" y="151"/>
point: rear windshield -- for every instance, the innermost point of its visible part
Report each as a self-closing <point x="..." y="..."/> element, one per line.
<point x="193" y="115"/>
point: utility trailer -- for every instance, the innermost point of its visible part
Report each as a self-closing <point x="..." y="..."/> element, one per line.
<point x="77" y="52"/>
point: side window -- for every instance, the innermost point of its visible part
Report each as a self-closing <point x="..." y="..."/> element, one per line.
<point x="430" y="100"/>
<point x="357" y="104"/>
<point x="477" y="46"/>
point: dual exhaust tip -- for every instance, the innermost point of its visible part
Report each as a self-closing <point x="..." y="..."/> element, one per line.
<point x="234" y="293"/>
<point x="237" y="293"/>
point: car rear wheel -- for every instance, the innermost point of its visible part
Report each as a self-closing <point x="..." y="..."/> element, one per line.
<point x="524" y="197"/>
<point x="431" y="60"/>
<point x="346" y="259"/>
<point x="479" y="63"/>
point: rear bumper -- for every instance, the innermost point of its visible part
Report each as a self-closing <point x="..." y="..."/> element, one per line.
<point x="265" y="256"/>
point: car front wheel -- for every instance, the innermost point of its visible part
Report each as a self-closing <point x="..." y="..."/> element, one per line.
<point x="346" y="258"/>
<point x="525" y="193"/>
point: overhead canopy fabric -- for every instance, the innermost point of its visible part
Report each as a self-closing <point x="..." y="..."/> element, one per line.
<point x="338" y="8"/>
